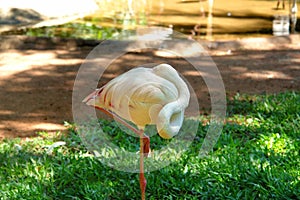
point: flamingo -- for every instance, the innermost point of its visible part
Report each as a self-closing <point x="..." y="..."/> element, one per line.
<point x="278" y="3"/>
<point x="144" y="96"/>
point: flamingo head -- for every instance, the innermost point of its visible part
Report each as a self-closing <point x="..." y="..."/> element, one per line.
<point x="170" y="120"/>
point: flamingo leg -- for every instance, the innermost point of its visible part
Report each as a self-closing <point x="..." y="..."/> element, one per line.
<point x="144" y="148"/>
<point x="140" y="133"/>
<point x="143" y="181"/>
<point x="146" y="145"/>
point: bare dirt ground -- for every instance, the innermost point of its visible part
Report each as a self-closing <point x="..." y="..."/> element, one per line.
<point x="37" y="75"/>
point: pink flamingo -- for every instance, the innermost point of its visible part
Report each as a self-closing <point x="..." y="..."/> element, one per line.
<point x="145" y="96"/>
<point x="282" y="2"/>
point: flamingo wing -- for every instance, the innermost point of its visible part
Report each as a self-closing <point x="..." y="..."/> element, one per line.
<point x="146" y="96"/>
<point x="138" y="95"/>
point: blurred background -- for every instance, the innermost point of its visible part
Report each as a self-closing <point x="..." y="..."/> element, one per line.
<point x="116" y="19"/>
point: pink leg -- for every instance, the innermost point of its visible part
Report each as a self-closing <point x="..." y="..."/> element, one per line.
<point x="146" y="145"/>
<point x="144" y="148"/>
<point x="140" y="133"/>
<point x="143" y="181"/>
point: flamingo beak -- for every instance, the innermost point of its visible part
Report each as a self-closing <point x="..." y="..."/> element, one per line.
<point x="90" y="99"/>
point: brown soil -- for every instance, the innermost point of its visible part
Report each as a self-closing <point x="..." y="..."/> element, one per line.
<point x="37" y="75"/>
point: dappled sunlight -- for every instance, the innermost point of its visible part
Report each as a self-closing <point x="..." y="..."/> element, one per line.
<point x="36" y="88"/>
<point x="249" y="71"/>
<point x="48" y="127"/>
<point x="265" y="74"/>
<point x="256" y="156"/>
<point x="6" y="112"/>
<point x="296" y="60"/>
<point x="27" y="128"/>
<point x="276" y="143"/>
<point x="238" y="69"/>
<point x="39" y="89"/>
<point x="165" y="54"/>
<point x="247" y="121"/>
<point x="13" y="62"/>
<point x="192" y="73"/>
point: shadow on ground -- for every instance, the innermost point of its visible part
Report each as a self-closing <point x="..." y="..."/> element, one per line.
<point x="37" y="76"/>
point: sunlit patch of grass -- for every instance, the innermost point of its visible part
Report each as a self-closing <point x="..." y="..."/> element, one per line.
<point x="74" y="30"/>
<point x="256" y="157"/>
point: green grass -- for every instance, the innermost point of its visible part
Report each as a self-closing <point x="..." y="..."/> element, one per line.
<point x="256" y="157"/>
